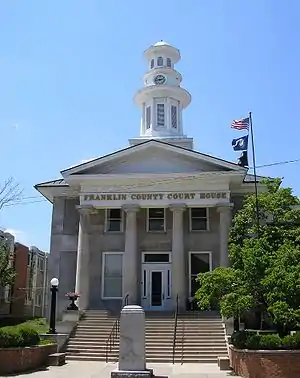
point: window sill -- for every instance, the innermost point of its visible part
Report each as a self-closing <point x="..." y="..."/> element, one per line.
<point x="114" y="232"/>
<point x="198" y="231"/>
<point x="156" y="232"/>
<point x="111" y="298"/>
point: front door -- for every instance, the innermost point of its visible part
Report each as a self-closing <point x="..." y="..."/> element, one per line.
<point x="157" y="294"/>
<point x="156" y="287"/>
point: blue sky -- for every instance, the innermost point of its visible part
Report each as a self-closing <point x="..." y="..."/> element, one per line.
<point x="69" y="70"/>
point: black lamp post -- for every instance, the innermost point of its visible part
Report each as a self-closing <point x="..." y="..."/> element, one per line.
<point x="54" y="288"/>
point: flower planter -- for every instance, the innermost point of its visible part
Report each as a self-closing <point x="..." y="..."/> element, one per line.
<point x="265" y="363"/>
<point x="17" y="360"/>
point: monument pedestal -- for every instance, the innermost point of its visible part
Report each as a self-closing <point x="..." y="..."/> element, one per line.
<point x="132" y="374"/>
<point x="132" y="359"/>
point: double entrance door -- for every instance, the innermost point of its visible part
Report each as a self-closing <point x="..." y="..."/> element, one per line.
<point x="156" y="290"/>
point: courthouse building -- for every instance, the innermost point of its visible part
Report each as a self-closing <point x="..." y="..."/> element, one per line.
<point x="145" y="220"/>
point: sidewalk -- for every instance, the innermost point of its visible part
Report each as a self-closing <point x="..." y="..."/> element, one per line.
<point x="82" y="369"/>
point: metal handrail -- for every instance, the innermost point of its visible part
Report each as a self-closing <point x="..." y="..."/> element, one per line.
<point x="182" y="342"/>
<point x="114" y="333"/>
<point x="175" y="327"/>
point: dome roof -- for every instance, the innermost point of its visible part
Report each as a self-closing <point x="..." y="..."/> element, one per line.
<point x="161" y="43"/>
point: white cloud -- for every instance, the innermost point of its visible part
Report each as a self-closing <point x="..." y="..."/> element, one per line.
<point x="19" y="235"/>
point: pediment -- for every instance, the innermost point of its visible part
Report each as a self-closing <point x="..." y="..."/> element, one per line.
<point x="152" y="157"/>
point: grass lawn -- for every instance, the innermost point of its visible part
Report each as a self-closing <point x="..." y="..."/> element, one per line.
<point x="40" y="324"/>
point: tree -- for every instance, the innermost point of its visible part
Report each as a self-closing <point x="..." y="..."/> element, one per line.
<point x="7" y="271"/>
<point x="10" y="192"/>
<point x="265" y="263"/>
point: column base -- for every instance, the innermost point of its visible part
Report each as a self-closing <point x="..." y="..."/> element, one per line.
<point x="148" y="373"/>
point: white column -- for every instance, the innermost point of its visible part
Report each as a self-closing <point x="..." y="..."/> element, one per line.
<point x="83" y="259"/>
<point x="130" y="259"/>
<point x="178" y="256"/>
<point x="225" y="222"/>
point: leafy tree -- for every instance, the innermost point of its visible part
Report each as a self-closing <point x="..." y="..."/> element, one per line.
<point x="7" y="272"/>
<point x="264" y="276"/>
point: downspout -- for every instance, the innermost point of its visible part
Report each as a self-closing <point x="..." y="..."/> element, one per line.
<point x="34" y="283"/>
<point x="44" y="285"/>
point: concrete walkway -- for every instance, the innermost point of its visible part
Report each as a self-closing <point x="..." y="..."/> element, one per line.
<point x="77" y="369"/>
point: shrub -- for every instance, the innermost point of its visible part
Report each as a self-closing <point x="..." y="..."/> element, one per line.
<point x="239" y="339"/>
<point x="291" y="341"/>
<point x="18" y="336"/>
<point x="30" y="335"/>
<point x="248" y="340"/>
<point x="253" y="342"/>
<point x="10" y="337"/>
<point x="271" y="342"/>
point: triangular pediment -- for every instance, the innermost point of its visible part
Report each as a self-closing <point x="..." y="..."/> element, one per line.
<point x="152" y="157"/>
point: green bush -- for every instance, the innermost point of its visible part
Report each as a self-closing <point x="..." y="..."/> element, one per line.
<point x="248" y="340"/>
<point x="253" y="342"/>
<point x="239" y="339"/>
<point x="271" y="342"/>
<point x="18" y="336"/>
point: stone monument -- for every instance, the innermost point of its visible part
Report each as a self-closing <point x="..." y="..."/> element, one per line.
<point x="132" y="359"/>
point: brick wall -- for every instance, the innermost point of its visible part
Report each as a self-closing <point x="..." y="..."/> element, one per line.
<point x="265" y="364"/>
<point x="19" y="292"/>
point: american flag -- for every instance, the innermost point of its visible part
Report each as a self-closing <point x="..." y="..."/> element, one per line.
<point x="241" y="124"/>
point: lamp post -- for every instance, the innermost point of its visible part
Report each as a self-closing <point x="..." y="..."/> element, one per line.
<point x="54" y="288"/>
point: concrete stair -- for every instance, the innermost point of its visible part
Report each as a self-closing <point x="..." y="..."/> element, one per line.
<point x="200" y="338"/>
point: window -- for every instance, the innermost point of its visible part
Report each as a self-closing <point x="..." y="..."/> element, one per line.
<point x="41" y="264"/>
<point x="148" y="117"/>
<point x="160" y="115"/>
<point x="156" y="219"/>
<point x="29" y="258"/>
<point x="198" y="219"/>
<point x="156" y="258"/>
<point x="160" y="61"/>
<point x="114" y="220"/>
<point x="38" y="300"/>
<point x="199" y="263"/>
<point x="112" y="275"/>
<point x="152" y="63"/>
<point x="7" y="294"/>
<point x="169" y="64"/>
<point x="174" y="116"/>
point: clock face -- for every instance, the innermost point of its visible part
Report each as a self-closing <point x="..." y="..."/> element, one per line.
<point x="160" y="79"/>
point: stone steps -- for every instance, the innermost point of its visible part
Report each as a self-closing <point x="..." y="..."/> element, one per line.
<point x="199" y="338"/>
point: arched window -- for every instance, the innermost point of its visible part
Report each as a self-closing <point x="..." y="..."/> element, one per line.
<point x="174" y="116"/>
<point x="169" y="64"/>
<point x="152" y="63"/>
<point x="160" y="115"/>
<point x="148" y="117"/>
<point x="160" y="61"/>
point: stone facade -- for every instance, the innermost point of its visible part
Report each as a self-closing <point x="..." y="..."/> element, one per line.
<point x="64" y="245"/>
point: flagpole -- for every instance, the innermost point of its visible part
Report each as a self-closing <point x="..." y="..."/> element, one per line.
<point x="254" y="171"/>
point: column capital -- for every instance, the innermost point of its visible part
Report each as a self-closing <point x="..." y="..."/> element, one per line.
<point x="225" y="208"/>
<point x="178" y="207"/>
<point x="86" y="210"/>
<point x="133" y="208"/>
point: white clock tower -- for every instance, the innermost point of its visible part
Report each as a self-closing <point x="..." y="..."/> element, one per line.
<point x="162" y="99"/>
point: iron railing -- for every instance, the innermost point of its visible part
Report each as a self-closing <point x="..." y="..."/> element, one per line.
<point x="182" y="342"/>
<point x="115" y="331"/>
<point x="175" y="327"/>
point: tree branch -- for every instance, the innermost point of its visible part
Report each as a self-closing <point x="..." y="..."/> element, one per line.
<point x="10" y="192"/>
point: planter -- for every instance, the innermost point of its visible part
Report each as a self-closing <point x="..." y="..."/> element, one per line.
<point x="17" y="360"/>
<point x="265" y="363"/>
<point x="71" y="316"/>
